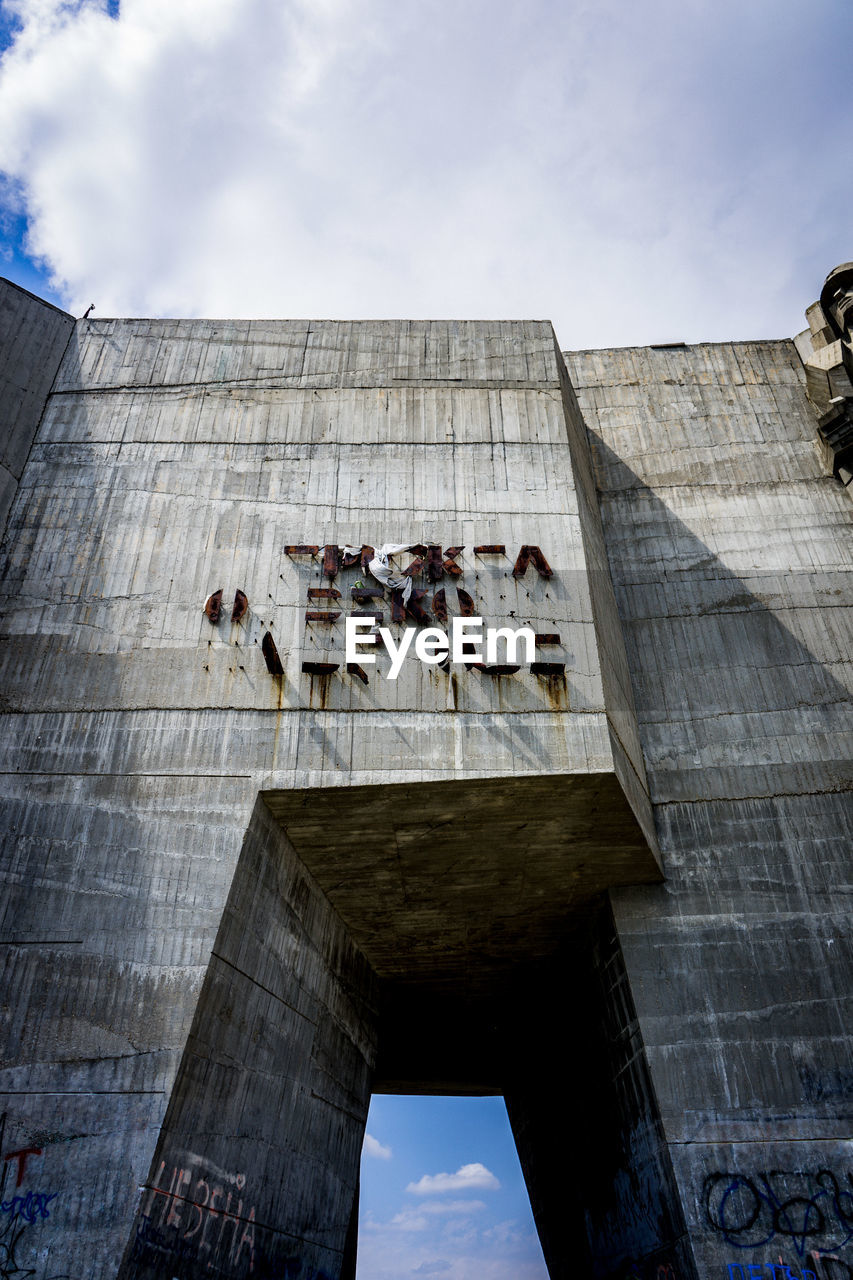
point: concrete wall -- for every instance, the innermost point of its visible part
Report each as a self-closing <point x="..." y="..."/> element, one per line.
<point x="586" y="1122"/>
<point x="439" y="843"/>
<point x="33" y="336"/>
<point x="256" y="1169"/>
<point x="730" y="551"/>
<point x="178" y="457"/>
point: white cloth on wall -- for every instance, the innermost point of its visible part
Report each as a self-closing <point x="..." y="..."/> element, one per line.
<point x="384" y="571"/>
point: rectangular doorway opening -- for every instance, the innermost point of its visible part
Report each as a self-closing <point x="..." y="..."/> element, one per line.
<point x="443" y="1194"/>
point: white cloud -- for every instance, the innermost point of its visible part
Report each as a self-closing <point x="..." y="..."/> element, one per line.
<point x="634" y="173"/>
<point x="427" y="1216"/>
<point x="437" y="1208"/>
<point x="470" y="1177"/>
<point x="373" y="1147"/>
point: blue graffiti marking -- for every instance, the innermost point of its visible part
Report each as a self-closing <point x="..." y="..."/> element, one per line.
<point x="749" y="1212"/>
<point x="754" y="1270"/>
<point x="32" y="1207"/>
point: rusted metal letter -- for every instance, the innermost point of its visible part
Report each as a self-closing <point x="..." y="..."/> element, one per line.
<point x="492" y="549"/>
<point x="439" y="605"/>
<point x="322" y="615"/>
<point x="353" y="669"/>
<point x="416" y="609"/>
<point x="331" y="560"/>
<point x="435" y="563"/>
<point x="525" y="555"/>
<point x="466" y="603"/>
<point x="300" y="549"/>
<point x="213" y="606"/>
<point x="398" y="609"/>
<point x="271" y="657"/>
<point x="449" y="564"/>
<point x="323" y="593"/>
<point x="241" y="606"/>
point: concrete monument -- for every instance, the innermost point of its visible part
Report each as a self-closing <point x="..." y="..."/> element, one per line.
<point x="253" y="876"/>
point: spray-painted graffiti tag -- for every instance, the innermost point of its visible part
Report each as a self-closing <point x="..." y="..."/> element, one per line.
<point x="810" y="1210"/>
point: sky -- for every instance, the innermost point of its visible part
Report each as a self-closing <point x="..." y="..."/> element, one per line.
<point x="442" y="1194"/>
<point x="636" y="171"/>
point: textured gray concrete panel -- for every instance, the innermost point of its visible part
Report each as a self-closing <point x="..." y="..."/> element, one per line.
<point x="33" y="337"/>
<point x="730" y="551"/>
<point x="178" y="458"/>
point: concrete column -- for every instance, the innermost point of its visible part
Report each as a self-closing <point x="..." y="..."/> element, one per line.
<point x="256" y="1170"/>
<point x="586" y="1123"/>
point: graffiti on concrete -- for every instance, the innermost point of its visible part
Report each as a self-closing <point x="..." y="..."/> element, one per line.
<point x="11" y="1266"/>
<point x="31" y="1207"/>
<point x="808" y="1210"/>
<point x="22" y="1155"/>
<point x="756" y="1271"/>
<point x="194" y="1214"/>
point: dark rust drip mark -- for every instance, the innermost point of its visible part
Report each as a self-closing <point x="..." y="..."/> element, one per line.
<point x="367" y="593"/>
<point x="548" y="668"/>
<point x="213" y="606"/>
<point x="376" y="614"/>
<point x="320" y="668"/>
<point x="500" y="669"/>
<point x="414" y="569"/>
<point x="466" y="603"/>
<point x="491" y="549"/>
<point x="322" y="615"/>
<point x="241" y="606"/>
<point x="353" y="669"/>
<point x="271" y="657"/>
<point x="435" y="563"/>
<point x="448" y="565"/>
<point x="439" y="605"/>
<point x="331" y="560"/>
<point x="525" y="555"/>
<point x="470" y="647"/>
<point x="398" y="609"/>
<point x="547" y="637"/>
<point x="323" y="593"/>
<point x="416" y="610"/>
<point x="300" y="549"/>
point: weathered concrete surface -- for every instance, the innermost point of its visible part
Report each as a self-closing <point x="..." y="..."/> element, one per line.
<point x="730" y="551"/>
<point x="177" y="458"/>
<point x="585" y="1120"/>
<point x="203" y="986"/>
<point x="266" y="1120"/>
<point x="33" y="337"/>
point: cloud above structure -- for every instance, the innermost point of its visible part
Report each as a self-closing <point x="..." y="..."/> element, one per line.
<point x="470" y="1177"/>
<point x="373" y="1147"/>
<point x="635" y="173"/>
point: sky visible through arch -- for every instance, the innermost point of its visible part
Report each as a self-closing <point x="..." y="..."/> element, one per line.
<point x="443" y="1194"/>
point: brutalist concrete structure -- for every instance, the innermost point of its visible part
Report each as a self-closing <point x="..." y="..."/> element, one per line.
<point x="249" y="882"/>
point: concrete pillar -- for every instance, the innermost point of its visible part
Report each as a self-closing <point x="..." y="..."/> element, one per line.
<point x="256" y="1170"/>
<point x="586" y="1123"/>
